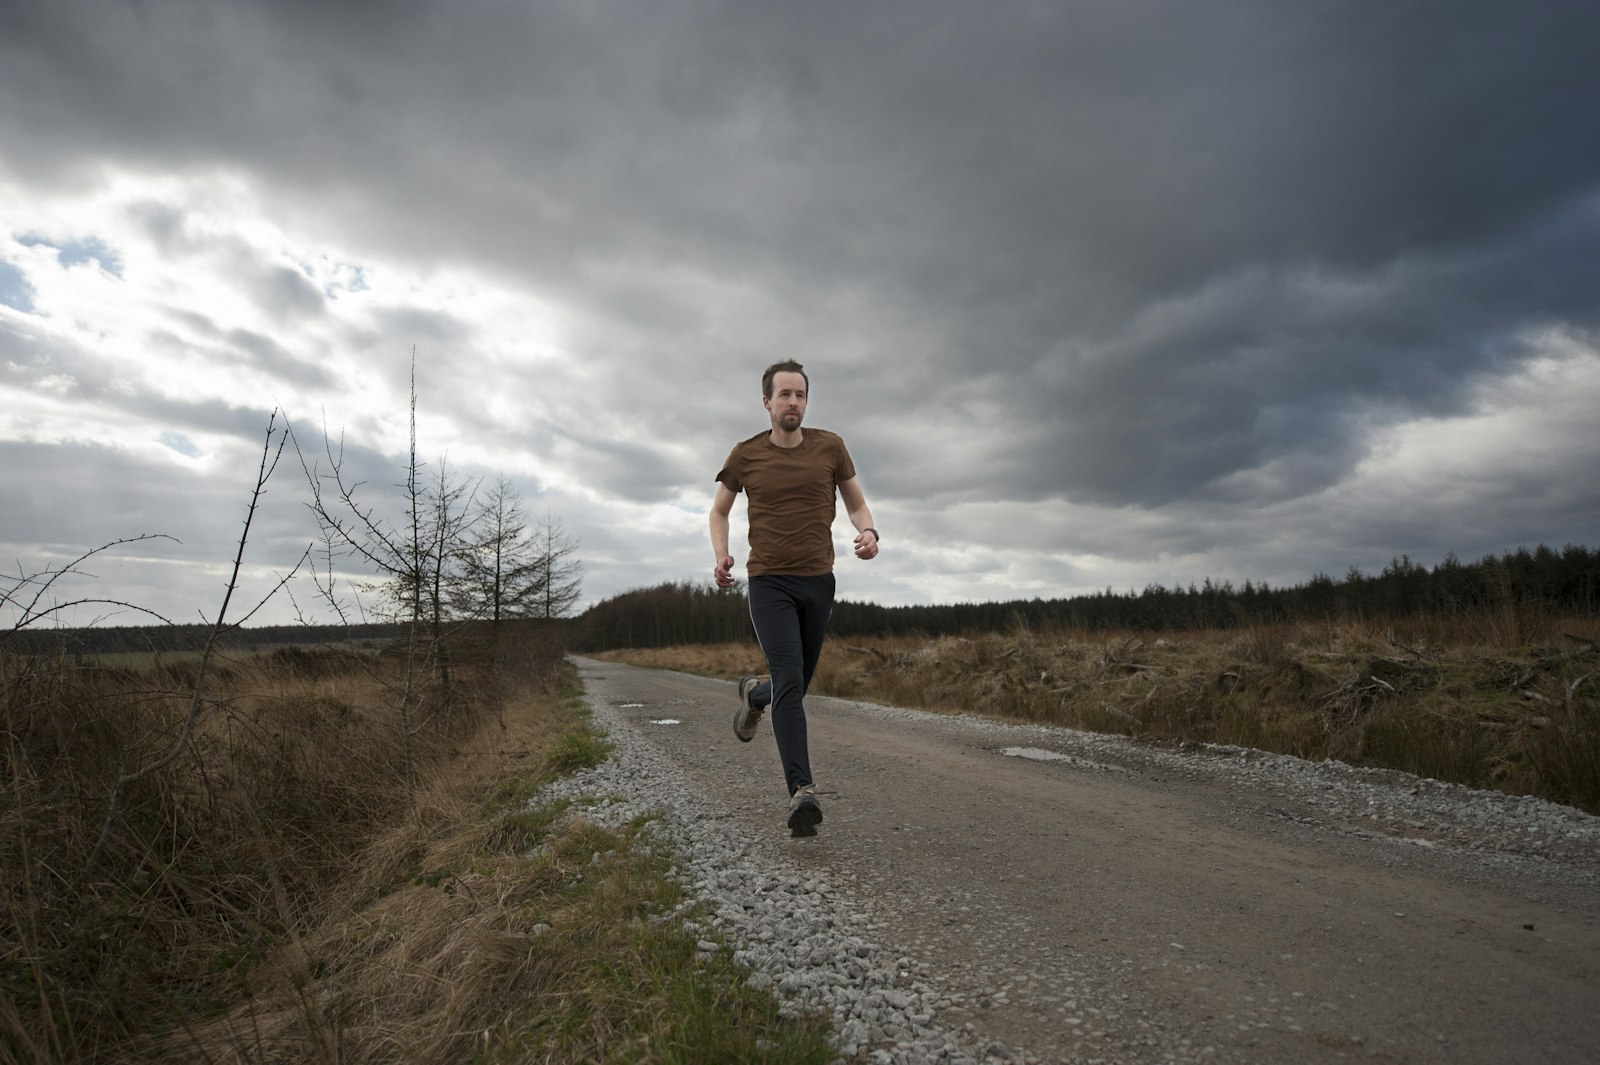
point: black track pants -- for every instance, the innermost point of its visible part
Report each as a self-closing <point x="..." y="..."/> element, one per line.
<point x="790" y="615"/>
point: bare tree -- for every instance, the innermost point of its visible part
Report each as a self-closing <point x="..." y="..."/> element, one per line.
<point x="512" y="570"/>
<point x="413" y="562"/>
<point x="500" y="573"/>
<point x="560" y="574"/>
<point x="450" y="502"/>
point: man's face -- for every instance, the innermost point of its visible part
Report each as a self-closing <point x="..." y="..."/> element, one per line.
<point x="787" y="404"/>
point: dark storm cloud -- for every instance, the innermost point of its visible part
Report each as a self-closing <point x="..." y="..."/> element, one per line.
<point x="122" y="494"/>
<point x="1299" y="369"/>
<point x="285" y="293"/>
<point x="433" y="329"/>
<point x="636" y="471"/>
<point x="1138" y="255"/>
<point x="202" y="336"/>
<point x="436" y="343"/>
<point x="269" y="355"/>
<point x="1027" y="183"/>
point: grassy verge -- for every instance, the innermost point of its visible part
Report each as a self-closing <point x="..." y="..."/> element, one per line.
<point x="1489" y="700"/>
<point x="510" y="932"/>
<point x="278" y="895"/>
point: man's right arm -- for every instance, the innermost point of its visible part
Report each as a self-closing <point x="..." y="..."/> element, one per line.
<point x="721" y="507"/>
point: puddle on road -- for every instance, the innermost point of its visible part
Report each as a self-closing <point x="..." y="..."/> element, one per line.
<point x="1035" y="753"/>
<point x="665" y="721"/>
<point x="1039" y="754"/>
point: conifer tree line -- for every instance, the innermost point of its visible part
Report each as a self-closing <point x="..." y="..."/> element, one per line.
<point x="663" y="616"/>
<point x="1567" y="580"/>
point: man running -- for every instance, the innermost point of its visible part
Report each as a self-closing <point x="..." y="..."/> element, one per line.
<point x="789" y="475"/>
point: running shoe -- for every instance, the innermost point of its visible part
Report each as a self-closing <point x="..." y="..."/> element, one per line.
<point x="748" y="716"/>
<point x="805" y="812"/>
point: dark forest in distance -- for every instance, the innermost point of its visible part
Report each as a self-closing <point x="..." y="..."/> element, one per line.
<point x="1565" y="580"/>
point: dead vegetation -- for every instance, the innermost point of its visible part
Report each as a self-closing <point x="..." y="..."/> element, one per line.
<point x="278" y="893"/>
<point x="1494" y="700"/>
<point x="123" y="916"/>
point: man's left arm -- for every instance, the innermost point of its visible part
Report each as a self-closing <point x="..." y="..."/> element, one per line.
<point x="855" y="506"/>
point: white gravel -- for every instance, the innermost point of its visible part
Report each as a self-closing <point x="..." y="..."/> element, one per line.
<point x="814" y="942"/>
<point x="802" y="937"/>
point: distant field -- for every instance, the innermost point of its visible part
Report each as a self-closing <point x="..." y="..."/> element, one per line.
<point x="1508" y="700"/>
<point x="146" y="660"/>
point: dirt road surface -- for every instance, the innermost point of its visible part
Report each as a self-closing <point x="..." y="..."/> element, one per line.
<point x="1103" y="901"/>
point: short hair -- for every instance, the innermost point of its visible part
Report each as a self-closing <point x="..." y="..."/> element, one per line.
<point x="786" y="366"/>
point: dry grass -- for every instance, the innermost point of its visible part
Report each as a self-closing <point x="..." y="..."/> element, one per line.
<point x="1503" y="699"/>
<point x="214" y="860"/>
<point x="486" y="930"/>
<point x="274" y="896"/>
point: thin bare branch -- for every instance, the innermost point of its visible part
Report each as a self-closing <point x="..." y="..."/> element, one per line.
<point x="31" y="611"/>
<point x="197" y="702"/>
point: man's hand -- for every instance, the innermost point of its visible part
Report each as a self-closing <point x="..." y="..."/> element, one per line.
<point x="866" y="545"/>
<point x="724" y="571"/>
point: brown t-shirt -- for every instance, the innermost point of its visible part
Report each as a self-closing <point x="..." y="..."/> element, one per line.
<point x="791" y="492"/>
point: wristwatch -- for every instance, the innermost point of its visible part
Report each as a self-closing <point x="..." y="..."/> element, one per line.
<point x="875" y="537"/>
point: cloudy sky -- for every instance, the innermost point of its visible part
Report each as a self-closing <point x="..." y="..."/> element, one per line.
<point x="1099" y="294"/>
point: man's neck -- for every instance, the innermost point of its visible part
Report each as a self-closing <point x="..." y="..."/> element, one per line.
<point x="786" y="438"/>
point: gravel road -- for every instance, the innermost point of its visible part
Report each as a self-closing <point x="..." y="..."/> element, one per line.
<point x="990" y="892"/>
